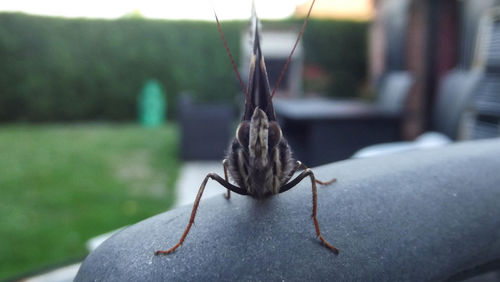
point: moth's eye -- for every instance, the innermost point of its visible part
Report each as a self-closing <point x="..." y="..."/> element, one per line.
<point x="274" y="135"/>
<point x="243" y="133"/>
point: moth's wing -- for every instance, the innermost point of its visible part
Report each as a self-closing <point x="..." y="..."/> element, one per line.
<point x="258" y="81"/>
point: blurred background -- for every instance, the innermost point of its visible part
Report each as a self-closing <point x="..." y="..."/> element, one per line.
<point x="109" y="110"/>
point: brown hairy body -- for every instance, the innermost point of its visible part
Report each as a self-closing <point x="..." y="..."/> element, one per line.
<point x="259" y="158"/>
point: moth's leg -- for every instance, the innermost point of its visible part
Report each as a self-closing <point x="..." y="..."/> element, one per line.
<point x="300" y="165"/>
<point x="326" y="182"/>
<point x="215" y="177"/>
<point x="224" y="164"/>
<point x="309" y="173"/>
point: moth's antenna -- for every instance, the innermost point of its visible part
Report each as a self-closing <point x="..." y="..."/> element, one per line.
<point x="231" y="58"/>
<point x="293" y="50"/>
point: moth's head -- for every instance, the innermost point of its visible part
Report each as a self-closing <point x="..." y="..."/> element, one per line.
<point x="259" y="135"/>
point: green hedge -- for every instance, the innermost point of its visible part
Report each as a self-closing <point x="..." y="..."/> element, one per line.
<point x="340" y="48"/>
<point x="54" y="69"/>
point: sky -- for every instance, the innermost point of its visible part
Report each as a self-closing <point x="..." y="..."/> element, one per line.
<point x="165" y="9"/>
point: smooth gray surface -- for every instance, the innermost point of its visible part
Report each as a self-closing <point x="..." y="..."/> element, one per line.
<point x="415" y="216"/>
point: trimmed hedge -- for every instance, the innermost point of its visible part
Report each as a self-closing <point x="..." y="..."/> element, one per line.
<point x="341" y="49"/>
<point x="55" y="69"/>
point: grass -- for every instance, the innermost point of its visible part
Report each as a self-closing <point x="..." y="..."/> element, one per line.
<point x="63" y="184"/>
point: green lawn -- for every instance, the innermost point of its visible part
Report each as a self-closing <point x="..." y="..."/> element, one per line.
<point x="63" y="184"/>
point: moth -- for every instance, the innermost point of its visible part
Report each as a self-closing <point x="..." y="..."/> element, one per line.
<point x="259" y="159"/>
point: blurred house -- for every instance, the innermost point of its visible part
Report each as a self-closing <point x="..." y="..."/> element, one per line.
<point x="427" y="38"/>
<point x="434" y="63"/>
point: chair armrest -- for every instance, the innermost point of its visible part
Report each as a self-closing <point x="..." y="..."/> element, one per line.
<point x="417" y="216"/>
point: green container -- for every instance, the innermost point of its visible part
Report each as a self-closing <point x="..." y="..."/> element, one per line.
<point x="152" y="104"/>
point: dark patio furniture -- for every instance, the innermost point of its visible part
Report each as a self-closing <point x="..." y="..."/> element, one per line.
<point x="322" y="131"/>
<point x="454" y="97"/>
<point x="206" y="129"/>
